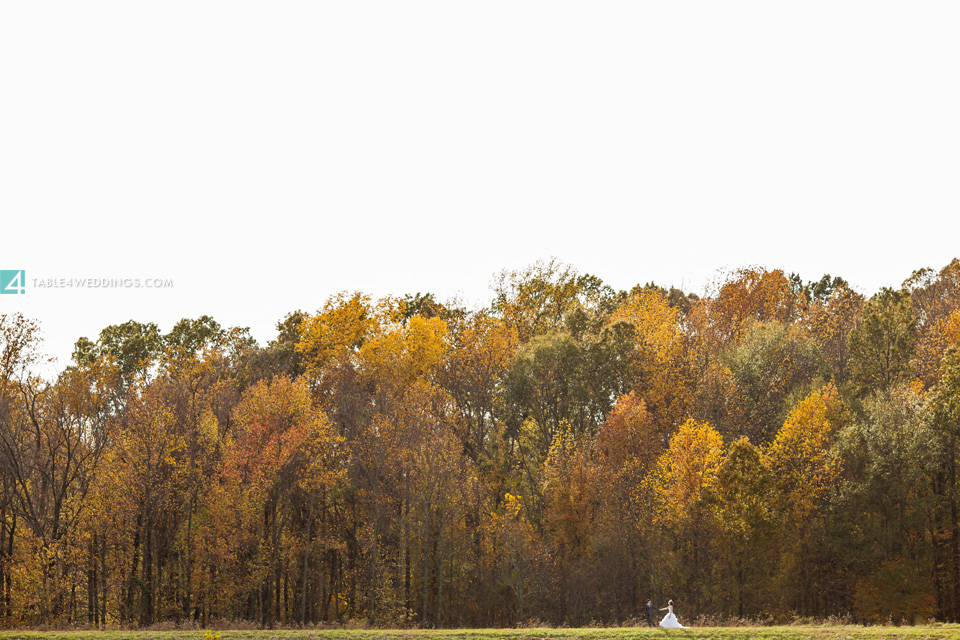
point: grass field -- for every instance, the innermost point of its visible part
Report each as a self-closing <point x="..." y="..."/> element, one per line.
<point x="722" y="633"/>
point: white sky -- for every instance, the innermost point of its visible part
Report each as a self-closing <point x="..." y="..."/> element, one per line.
<point x="266" y="155"/>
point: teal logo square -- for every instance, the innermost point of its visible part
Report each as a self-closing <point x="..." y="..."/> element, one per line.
<point x="13" y="281"/>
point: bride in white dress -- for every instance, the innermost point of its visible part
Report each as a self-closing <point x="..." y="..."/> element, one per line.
<point x="670" y="620"/>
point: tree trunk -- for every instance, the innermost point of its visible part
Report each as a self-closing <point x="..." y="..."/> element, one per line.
<point x="954" y="529"/>
<point x="306" y="564"/>
<point x="7" y="551"/>
<point x="408" y="594"/>
<point x="132" y="579"/>
<point x="438" y="617"/>
<point x="146" y="608"/>
<point x="425" y="554"/>
<point x="188" y="568"/>
<point x="268" y="599"/>
<point x="92" y="583"/>
<point x="103" y="581"/>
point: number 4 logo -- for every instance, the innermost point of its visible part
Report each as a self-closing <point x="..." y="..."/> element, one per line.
<point x="13" y="281"/>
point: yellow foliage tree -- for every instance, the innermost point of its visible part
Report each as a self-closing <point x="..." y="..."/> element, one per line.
<point x="572" y="490"/>
<point x="800" y="457"/>
<point x="682" y="487"/>
<point x="953" y="329"/>
<point x="346" y="321"/>
<point x="936" y="337"/>
<point x="805" y="470"/>
<point x="663" y="375"/>
<point x="405" y="353"/>
<point x="686" y="473"/>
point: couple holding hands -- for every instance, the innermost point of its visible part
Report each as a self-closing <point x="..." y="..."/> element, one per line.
<point x="669" y="621"/>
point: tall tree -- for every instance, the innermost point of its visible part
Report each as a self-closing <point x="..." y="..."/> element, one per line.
<point x="936" y="298"/>
<point x="278" y="432"/>
<point x="746" y="522"/>
<point x="830" y="322"/>
<point x="683" y="485"/>
<point x="753" y="295"/>
<point x="133" y="346"/>
<point x="944" y="416"/>
<point x="805" y="470"/>
<point x="773" y="367"/>
<point x="661" y="374"/>
<point x="882" y="346"/>
<point x="885" y="505"/>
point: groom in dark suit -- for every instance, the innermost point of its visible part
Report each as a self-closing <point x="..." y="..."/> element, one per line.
<point x="650" y="609"/>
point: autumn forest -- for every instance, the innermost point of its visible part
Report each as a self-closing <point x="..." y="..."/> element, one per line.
<point x="772" y="450"/>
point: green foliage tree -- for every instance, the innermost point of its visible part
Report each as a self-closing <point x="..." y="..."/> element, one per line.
<point x="133" y="346"/>
<point x="882" y="346"/>
<point x="772" y="368"/>
<point x="190" y="336"/>
<point x="944" y="416"/>
<point x="747" y="523"/>
<point x="885" y="504"/>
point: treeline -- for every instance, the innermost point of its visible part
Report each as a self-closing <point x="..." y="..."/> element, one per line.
<point x="777" y="448"/>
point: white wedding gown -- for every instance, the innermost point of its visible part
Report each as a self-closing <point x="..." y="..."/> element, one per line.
<point x="670" y="620"/>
